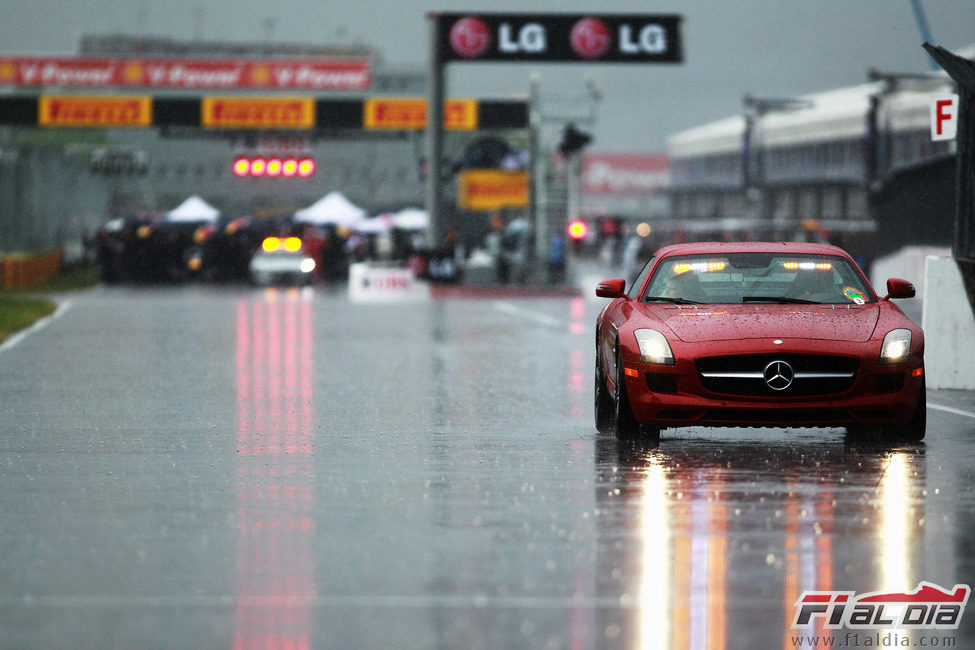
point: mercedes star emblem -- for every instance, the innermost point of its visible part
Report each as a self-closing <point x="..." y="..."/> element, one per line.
<point x="778" y="375"/>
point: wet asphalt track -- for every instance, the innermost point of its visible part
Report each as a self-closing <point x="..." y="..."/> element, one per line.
<point x="232" y="467"/>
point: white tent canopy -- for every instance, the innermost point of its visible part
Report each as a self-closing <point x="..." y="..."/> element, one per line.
<point x="380" y="224"/>
<point x="193" y="209"/>
<point x="411" y="219"/>
<point x="332" y="209"/>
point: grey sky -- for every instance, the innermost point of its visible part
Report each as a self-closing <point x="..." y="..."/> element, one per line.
<point x="732" y="47"/>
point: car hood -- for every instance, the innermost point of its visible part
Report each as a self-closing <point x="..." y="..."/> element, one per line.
<point x="731" y="322"/>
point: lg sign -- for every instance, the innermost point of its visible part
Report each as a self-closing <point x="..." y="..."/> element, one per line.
<point x="560" y="37"/>
<point x="531" y="38"/>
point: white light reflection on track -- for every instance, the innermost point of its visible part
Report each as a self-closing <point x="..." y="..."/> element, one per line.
<point x="894" y="533"/>
<point x="275" y="474"/>
<point x="655" y="597"/>
<point x="688" y="516"/>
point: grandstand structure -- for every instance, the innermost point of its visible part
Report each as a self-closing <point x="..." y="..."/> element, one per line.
<point x="853" y="165"/>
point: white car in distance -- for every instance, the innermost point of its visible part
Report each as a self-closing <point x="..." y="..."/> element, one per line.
<point x="282" y="261"/>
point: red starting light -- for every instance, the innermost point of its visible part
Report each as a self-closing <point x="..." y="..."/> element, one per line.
<point x="578" y="230"/>
<point x="242" y="167"/>
<point x="306" y="167"/>
<point x="274" y="167"/>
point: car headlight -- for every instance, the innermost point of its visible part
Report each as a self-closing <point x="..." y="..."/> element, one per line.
<point x="896" y="347"/>
<point x="654" y="347"/>
<point x="307" y="265"/>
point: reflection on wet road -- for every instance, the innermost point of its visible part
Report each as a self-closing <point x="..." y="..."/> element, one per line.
<point x="270" y="469"/>
<point x="275" y="416"/>
<point x="733" y="532"/>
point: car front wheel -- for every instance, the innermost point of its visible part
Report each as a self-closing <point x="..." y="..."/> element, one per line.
<point x="625" y="424"/>
<point x="604" y="406"/>
<point x="915" y="428"/>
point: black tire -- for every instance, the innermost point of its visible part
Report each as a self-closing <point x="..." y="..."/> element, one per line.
<point x="625" y="424"/>
<point x="916" y="427"/>
<point x="603" y="403"/>
<point x="861" y="432"/>
<point x="649" y="433"/>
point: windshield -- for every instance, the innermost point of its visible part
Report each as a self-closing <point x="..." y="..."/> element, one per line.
<point x="755" y="278"/>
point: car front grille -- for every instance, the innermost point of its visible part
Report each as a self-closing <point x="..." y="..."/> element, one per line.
<point x="777" y="375"/>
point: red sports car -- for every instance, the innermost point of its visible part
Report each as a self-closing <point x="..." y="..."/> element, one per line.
<point x="757" y="334"/>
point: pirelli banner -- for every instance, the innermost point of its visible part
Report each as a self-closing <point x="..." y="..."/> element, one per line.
<point x="276" y="112"/>
<point x="492" y="189"/>
<point x="293" y="113"/>
<point x="407" y="114"/>
<point x="89" y="111"/>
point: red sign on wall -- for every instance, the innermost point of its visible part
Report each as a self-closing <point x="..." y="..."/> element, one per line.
<point x="206" y="74"/>
<point x="624" y="174"/>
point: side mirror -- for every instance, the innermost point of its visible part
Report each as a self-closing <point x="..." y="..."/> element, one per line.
<point x="897" y="288"/>
<point x="611" y="288"/>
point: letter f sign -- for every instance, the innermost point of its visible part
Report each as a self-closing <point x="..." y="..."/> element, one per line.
<point x="944" y="117"/>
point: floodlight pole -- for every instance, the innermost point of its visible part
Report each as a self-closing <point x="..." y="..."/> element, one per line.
<point x="434" y="134"/>
<point x="537" y="217"/>
<point x="753" y="149"/>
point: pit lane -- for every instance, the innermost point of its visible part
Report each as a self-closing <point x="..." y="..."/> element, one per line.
<point x="220" y="466"/>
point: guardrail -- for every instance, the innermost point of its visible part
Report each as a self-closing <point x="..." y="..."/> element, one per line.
<point x="29" y="269"/>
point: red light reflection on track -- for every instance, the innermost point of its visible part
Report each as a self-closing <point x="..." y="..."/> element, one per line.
<point x="808" y="553"/>
<point x="275" y="473"/>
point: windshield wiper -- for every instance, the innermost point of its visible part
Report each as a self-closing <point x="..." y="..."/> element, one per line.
<point x="784" y="300"/>
<point x="675" y="301"/>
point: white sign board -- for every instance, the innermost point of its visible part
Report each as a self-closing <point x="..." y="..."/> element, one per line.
<point x="369" y="283"/>
<point x="944" y="117"/>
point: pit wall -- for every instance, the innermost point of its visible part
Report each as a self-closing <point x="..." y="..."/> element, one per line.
<point x="907" y="263"/>
<point x="949" y="327"/>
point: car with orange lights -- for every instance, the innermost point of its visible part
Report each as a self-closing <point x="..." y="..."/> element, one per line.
<point x="775" y="334"/>
<point x="282" y="261"/>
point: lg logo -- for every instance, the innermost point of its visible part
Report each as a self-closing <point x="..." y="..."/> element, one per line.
<point x="470" y="37"/>
<point x="590" y="38"/>
<point x="651" y="39"/>
<point x="530" y="38"/>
